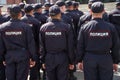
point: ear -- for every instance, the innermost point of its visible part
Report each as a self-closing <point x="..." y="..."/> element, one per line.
<point x="20" y="14"/>
<point x="90" y="11"/>
<point x="103" y="11"/>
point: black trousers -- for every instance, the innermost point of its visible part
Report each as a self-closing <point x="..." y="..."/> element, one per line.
<point x="2" y="72"/>
<point x="17" y="70"/>
<point x="98" y="66"/>
<point x="57" y="66"/>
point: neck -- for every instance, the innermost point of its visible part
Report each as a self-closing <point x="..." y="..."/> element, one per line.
<point x="16" y="18"/>
<point x="96" y="15"/>
<point x="29" y="14"/>
<point x="56" y="18"/>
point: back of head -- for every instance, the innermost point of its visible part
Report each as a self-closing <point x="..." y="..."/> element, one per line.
<point x="68" y="3"/>
<point x="76" y="4"/>
<point x="37" y="6"/>
<point x="90" y="2"/>
<point x="14" y="11"/>
<point x="28" y="8"/>
<point x="97" y="7"/>
<point x="54" y="10"/>
<point x="60" y="3"/>
<point x="47" y="4"/>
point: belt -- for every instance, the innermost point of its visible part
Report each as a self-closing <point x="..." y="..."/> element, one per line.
<point x="99" y="52"/>
<point x="54" y="52"/>
<point x="14" y="49"/>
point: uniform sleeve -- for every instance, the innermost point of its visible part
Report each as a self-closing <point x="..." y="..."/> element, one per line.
<point x="109" y="16"/>
<point x="80" y="46"/>
<point x="36" y="29"/>
<point x="2" y="48"/>
<point x="31" y="43"/>
<point x="70" y="39"/>
<point x="42" y="47"/>
<point x="115" y="50"/>
<point x="80" y="22"/>
<point x="106" y="17"/>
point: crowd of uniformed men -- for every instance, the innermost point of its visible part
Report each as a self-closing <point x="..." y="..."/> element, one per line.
<point x="56" y="37"/>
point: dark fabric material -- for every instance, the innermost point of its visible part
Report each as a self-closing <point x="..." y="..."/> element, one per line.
<point x="98" y="67"/>
<point x="17" y="70"/>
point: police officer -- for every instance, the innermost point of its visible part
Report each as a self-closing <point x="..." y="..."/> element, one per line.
<point x="56" y="48"/>
<point x="46" y="6"/>
<point x="76" y="8"/>
<point x="114" y="17"/>
<point x="78" y="14"/>
<point x="35" y="26"/>
<point x="2" y="67"/>
<point x="73" y="15"/>
<point x="64" y="17"/>
<point x="69" y="14"/>
<point x="17" y="46"/>
<point x="38" y="13"/>
<point x="41" y="18"/>
<point x="22" y="8"/>
<point x="2" y="19"/>
<point x="88" y="16"/>
<point x="98" y="47"/>
<point x="68" y="20"/>
<point x="69" y="10"/>
<point x="7" y="15"/>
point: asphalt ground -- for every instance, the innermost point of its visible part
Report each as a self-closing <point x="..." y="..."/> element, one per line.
<point x="84" y="8"/>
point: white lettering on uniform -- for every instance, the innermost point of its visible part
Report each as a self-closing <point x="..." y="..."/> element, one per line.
<point x="31" y="25"/>
<point x="116" y="14"/>
<point x="13" y="33"/>
<point x="94" y="34"/>
<point x="53" y="33"/>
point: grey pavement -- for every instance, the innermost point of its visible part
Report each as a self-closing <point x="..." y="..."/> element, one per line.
<point x="80" y="76"/>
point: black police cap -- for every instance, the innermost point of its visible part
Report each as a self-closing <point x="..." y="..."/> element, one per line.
<point x="47" y="4"/>
<point x="21" y="5"/>
<point x="28" y="8"/>
<point x="60" y="3"/>
<point x="54" y="10"/>
<point x="118" y="3"/>
<point x="97" y="7"/>
<point x="76" y="4"/>
<point x="37" y="6"/>
<point x="68" y="3"/>
<point x="15" y="9"/>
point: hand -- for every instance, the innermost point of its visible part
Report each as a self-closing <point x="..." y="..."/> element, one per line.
<point x="71" y="67"/>
<point x="43" y="65"/>
<point x="32" y="63"/>
<point x="80" y="66"/>
<point x="115" y="67"/>
<point x="4" y="63"/>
